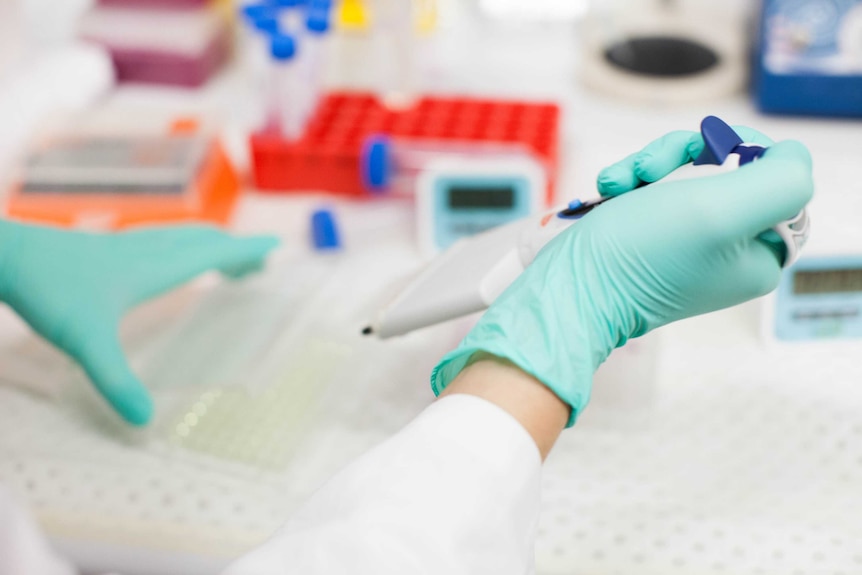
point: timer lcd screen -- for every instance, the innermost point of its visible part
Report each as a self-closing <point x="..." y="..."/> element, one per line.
<point x="497" y="198"/>
<point x="827" y="281"/>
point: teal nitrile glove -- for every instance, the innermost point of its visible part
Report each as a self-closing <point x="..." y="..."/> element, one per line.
<point x="73" y="288"/>
<point x="649" y="257"/>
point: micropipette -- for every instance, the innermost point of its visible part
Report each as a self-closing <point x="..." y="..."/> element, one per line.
<point x="470" y="275"/>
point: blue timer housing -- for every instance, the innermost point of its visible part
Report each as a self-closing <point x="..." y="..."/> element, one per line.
<point x="458" y="199"/>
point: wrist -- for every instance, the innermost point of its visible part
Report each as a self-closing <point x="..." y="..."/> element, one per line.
<point x="536" y="408"/>
<point x="556" y="347"/>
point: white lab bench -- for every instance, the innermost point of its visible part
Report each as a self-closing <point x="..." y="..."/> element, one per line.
<point x="718" y="454"/>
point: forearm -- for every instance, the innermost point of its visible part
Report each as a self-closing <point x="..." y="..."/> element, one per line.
<point x="456" y="492"/>
<point x="539" y="411"/>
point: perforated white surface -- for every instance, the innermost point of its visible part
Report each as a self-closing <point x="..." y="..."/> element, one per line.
<point x="748" y="461"/>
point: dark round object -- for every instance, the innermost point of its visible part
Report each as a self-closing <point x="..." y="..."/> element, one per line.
<point x="661" y="56"/>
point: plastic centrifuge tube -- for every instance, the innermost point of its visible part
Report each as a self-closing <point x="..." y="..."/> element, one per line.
<point x="290" y="15"/>
<point x="395" y="53"/>
<point x="315" y="54"/>
<point x="249" y="14"/>
<point x="264" y="25"/>
<point x="390" y="164"/>
<point x="287" y="92"/>
<point x="258" y="24"/>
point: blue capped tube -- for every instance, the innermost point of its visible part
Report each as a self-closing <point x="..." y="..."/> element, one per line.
<point x="315" y="54"/>
<point x="287" y="90"/>
<point x="290" y="15"/>
<point x="258" y="23"/>
<point x="392" y="165"/>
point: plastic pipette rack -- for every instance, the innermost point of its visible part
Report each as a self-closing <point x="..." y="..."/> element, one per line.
<point x="327" y="157"/>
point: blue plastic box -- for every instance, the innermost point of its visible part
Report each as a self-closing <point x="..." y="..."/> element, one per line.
<point x="808" y="57"/>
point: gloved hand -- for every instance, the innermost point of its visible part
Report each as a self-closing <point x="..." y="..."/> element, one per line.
<point x="73" y="288"/>
<point x="651" y="256"/>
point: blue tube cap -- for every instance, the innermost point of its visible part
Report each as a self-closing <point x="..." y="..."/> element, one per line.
<point x="267" y="23"/>
<point x="282" y="47"/>
<point x="376" y="163"/>
<point x="317" y="20"/>
<point x="252" y="12"/>
<point x="324" y="231"/>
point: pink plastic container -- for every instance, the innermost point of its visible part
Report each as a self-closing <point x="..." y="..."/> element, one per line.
<point x="161" y="46"/>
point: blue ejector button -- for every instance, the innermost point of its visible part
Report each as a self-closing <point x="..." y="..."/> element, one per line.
<point x="575" y="204"/>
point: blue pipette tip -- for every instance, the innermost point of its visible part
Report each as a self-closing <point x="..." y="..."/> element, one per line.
<point x="282" y="47"/>
<point x="317" y="20"/>
<point x="377" y="163"/>
<point x="324" y="231"/>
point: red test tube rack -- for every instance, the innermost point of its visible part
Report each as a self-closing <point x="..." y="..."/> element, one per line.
<point x="327" y="157"/>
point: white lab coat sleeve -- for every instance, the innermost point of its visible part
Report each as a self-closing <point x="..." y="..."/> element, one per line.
<point x="454" y="492"/>
<point x="23" y="549"/>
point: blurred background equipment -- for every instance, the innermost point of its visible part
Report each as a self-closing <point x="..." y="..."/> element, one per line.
<point x="820" y="299"/>
<point x="809" y="57"/>
<point x="329" y="155"/>
<point x="63" y="82"/>
<point x="664" y="51"/>
<point x="100" y="174"/>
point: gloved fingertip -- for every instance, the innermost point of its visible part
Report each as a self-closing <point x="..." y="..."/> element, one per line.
<point x="242" y="271"/>
<point x="788" y="167"/>
<point x="643" y="166"/>
<point x="263" y="244"/>
<point x="135" y="407"/>
<point x="614" y="180"/>
<point x="610" y="189"/>
<point x="791" y="150"/>
<point x="776" y="245"/>
<point x="695" y="148"/>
